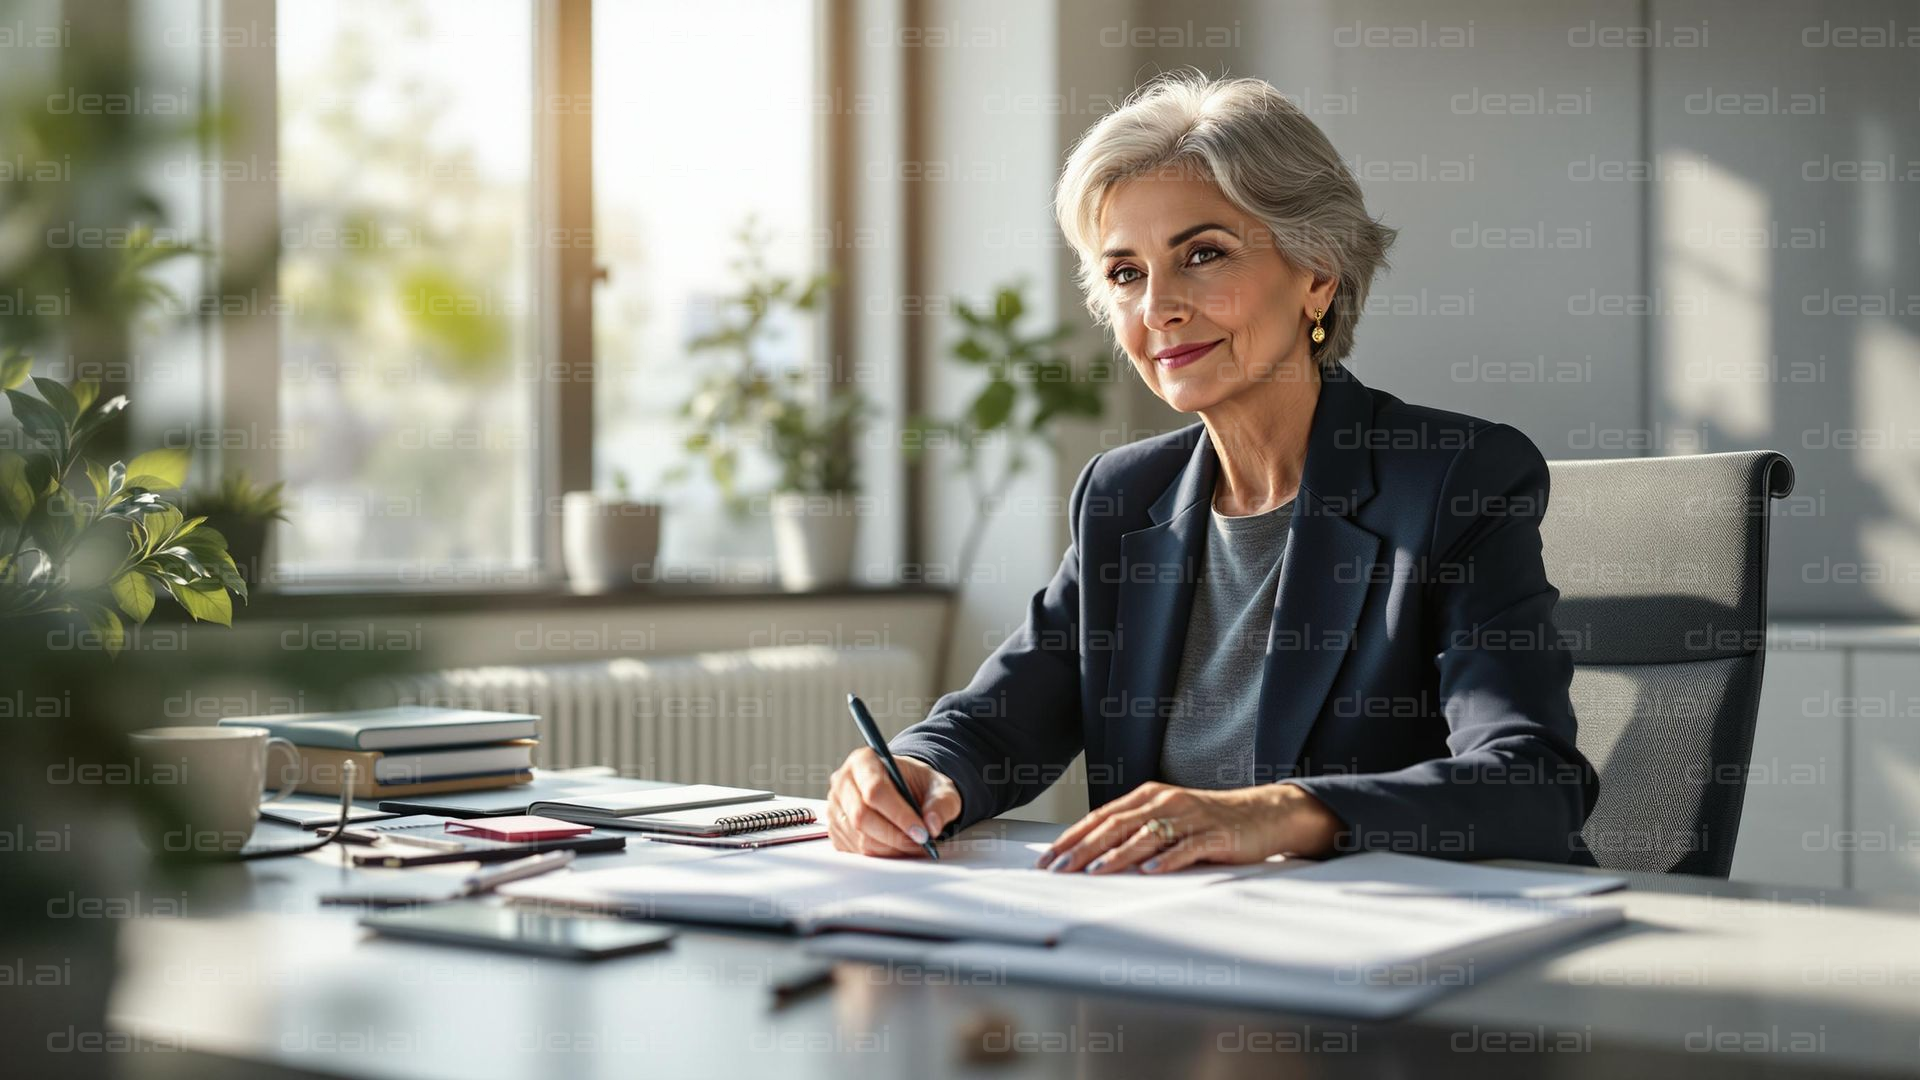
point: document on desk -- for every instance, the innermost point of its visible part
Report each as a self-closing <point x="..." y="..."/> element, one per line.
<point x="1365" y="935"/>
<point x="1021" y="905"/>
<point x="980" y="888"/>
<point x="774" y="887"/>
<point x="1279" y="923"/>
<point x="1270" y="942"/>
<point x="1387" y="873"/>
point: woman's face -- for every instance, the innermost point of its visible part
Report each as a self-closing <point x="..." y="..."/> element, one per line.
<point x="1184" y="268"/>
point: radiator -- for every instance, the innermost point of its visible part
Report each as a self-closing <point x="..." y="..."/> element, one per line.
<point x="772" y="718"/>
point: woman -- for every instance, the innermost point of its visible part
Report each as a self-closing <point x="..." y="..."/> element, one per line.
<point x="1316" y="621"/>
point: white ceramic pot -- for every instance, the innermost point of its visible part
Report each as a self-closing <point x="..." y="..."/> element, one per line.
<point x="813" y="538"/>
<point x="608" y="542"/>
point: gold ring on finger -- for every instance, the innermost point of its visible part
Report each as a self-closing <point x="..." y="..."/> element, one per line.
<point x="1162" y="829"/>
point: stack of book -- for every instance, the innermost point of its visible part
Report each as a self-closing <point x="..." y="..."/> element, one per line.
<point x="403" y="751"/>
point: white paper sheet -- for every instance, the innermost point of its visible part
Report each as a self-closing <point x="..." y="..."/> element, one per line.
<point x="1282" y="922"/>
<point x="984" y="887"/>
<point x="1187" y="980"/>
<point x="770" y="886"/>
<point x="1386" y="873"/>
<point x="1017" y="905"/>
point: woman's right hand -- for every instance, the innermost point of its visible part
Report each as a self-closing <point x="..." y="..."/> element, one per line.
<point x="866" y="814"/>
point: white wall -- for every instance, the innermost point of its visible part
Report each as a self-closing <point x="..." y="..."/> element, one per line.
<point x="1505" y="253"/>
<point x="1788" y="240"/>
<point x="989" y="144"/>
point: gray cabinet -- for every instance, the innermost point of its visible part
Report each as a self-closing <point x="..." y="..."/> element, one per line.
<point x="1833" y="796"/>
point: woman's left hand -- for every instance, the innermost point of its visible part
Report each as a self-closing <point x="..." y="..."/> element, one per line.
<point x="1239" y="825"/>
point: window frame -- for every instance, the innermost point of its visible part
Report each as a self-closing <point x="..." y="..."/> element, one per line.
<point x="564" y="289"/>
<point x="242" y="66"/>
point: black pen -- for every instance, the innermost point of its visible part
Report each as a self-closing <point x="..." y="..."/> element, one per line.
<point x="800" y="979"/>
<point x="870" y="731"/>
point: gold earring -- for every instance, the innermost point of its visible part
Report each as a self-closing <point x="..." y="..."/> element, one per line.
<point x="1319" y="332"/>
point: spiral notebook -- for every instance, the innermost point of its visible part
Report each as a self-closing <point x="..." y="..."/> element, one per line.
<point x="774" y="837"/>
<point x="764" y="816"/>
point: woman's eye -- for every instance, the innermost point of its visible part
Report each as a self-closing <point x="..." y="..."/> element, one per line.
<point x="1213" y="253"/>
<point x="1114" y="275"/>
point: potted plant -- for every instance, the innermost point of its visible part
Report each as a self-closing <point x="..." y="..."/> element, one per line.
<point x="1029" y="384"/>
<point x="808" y="426"/>
<point x="608" y="540"/>
<point x="815" y="506"/>
<point x="244" y="513"/>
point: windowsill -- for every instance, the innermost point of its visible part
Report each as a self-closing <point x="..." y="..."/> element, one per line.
<point x="315" y="602"/>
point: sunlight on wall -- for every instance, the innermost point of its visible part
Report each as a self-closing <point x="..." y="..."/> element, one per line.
<point x="1714" y="309"/>
<point x="1886" y="384"/>
<point x="1876" y="231"/>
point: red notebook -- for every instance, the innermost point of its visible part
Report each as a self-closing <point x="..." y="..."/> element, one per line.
<point x="518" y="829"/>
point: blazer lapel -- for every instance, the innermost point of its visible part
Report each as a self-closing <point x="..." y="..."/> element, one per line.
<point x="1324" y="577"/>
<point x="1159" y="568"/>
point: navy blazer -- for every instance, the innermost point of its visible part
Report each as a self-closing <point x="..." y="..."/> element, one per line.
<point x="1414" y="680"/>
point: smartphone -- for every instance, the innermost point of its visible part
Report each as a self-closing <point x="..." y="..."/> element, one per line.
<point x="569" y="937"/>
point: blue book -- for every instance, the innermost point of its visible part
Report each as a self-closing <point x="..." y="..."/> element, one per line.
<point x="398" y="728"/>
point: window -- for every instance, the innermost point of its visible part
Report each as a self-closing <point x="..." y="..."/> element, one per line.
<point x="703" y="116"/>
<point x="423" y="191"/>
<point x="409" y="414"/>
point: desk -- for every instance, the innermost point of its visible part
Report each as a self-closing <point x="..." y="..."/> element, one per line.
<point x="262" y="981"/>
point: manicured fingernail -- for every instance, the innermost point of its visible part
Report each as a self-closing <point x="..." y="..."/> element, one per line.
<point x="1059" y="863"/>
<point x="1097" y="864"/>
<point x="1151" y="864"/>
<point x="1045" y="858"/>
<point x="919" y="834"/>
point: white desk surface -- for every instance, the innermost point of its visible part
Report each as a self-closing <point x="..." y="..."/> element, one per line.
<point x="1707" y="978"/>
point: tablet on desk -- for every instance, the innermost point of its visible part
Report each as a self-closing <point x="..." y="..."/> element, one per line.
<point x="570" y="937"/>
<point x="312" y="812"/>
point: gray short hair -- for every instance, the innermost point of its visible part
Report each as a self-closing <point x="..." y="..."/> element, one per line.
<point x="1266" y="156"/>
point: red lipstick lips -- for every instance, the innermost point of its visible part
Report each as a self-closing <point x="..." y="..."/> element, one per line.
<point x="1182" y="355"/>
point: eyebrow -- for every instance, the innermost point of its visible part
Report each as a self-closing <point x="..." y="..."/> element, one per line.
<point x="1179" y="238"/>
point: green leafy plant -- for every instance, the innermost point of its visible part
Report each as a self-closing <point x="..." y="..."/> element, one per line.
<point x="243" y="512"/>
<point x="746" y="404"/>
<point x="100" y="542"/>
<point x="238" y="497"/>
<point x="814" y="441"/>
<point x="1030" y="383"/>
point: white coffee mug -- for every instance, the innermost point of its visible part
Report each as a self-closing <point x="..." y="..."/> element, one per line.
<point x="213" y="776"/>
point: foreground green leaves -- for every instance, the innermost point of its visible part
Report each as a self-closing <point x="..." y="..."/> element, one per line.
<point x="98" y="542"/>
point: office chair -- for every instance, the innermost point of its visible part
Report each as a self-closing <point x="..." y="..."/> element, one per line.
<point x="1661" y="565"/>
